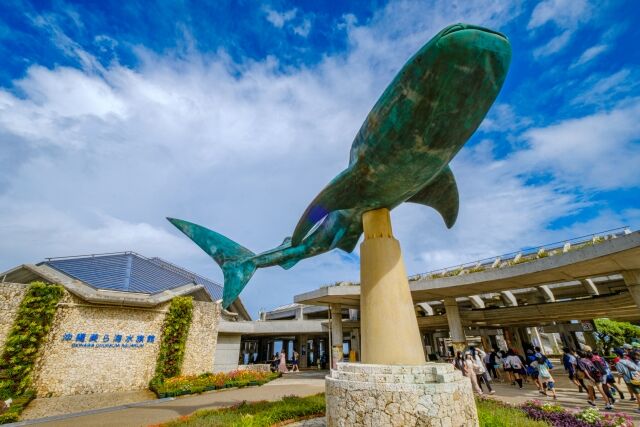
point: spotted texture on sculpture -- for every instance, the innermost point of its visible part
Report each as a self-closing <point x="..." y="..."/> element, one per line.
<point x="400" y="154"/>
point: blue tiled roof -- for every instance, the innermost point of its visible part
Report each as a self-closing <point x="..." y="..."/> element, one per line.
<point x="130" y="272"/>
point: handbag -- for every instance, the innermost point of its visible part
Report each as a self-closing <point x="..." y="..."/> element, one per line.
<point x="635" y="378"/>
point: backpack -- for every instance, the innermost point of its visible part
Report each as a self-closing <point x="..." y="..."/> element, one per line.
<point x="593" y="371"/>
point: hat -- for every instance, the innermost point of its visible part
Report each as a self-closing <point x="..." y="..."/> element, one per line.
<point x="627" y="346"/>
<point x="586" y="348"/>
<point x="636" y="344"/>
<point x="618" y="351"/>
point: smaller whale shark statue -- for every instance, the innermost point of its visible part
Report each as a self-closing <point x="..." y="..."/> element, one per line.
<point x="400" y="154"/>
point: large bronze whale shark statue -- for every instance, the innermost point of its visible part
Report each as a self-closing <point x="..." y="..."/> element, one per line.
<point x="401" y="153"/>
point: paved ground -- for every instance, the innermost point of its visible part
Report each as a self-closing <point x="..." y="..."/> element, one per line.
<point x="300" y="384"/>
<point x="568" y="395"/>
<point x="46" y="407"/>
<point x="303" y="384"/>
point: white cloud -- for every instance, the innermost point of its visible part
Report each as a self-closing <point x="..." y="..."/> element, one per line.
<point x="554" y="45"/>
<point x="278" y="19"/>
<point x="598" y="151"/>
<point x="98" y="157"/>
<point x="602" y="89"/>
<point x="590" y="54"/>
<point x="303" y="29"/>
<point x="566" y="15"/>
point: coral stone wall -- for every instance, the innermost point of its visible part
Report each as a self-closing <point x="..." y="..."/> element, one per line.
<point x="99" y="362"/>
<point x="202" y="339"/>
<point x="11" y="295"/>
<point x="430" y="395"/>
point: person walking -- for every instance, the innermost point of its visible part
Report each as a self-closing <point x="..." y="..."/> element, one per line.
<point x="569" y="362"/>
<point x="592" y="378"/>
<point x="544" y="375"/>
<point x="506" y="367"/>
<point x="517" y="367"/>
<point x="628" y="369"/>
<point x="492" y="363"/>
<point x="282" y="366"/>
<point x="458" y="362"/>
<point x="469" y="371"/>
<point x="296" y="362"/>
<point x="480" y="370"/>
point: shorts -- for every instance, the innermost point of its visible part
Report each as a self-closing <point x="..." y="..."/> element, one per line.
<point x="635" y="388"/>
<point x="589" y="382"/>
<point x="550" y="385"/>
<point x="535" y="374"/>
<point x="508" y="369"/>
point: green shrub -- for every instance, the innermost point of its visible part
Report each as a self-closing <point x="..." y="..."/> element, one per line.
<point x="174" y="337"/>
<point x="190" y="384"/>
<point x="32" y="324"/>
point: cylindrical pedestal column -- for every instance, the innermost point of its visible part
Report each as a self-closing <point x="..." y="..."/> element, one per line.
<point x="389" y="329"/>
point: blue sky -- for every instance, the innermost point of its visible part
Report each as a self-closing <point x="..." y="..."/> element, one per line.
<point x="235" y="114"/>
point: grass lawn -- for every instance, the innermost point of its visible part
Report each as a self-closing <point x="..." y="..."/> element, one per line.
<point x="266" y="414"/>
<point x="497" y="414"/>
<point x="260" y="414"/>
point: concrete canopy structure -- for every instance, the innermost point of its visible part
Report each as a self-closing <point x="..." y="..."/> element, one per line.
<point x="600" y="264"/>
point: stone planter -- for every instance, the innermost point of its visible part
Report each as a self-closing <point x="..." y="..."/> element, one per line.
<point x="434" y="394"/>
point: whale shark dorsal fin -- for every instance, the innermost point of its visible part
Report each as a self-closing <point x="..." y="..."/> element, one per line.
<point x="442" y="195"/>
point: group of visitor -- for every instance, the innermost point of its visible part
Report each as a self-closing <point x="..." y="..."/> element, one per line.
<point x="473" y="366"/>
<point x="587" y="369"/>
<point x="591" y="373"/>
<point x="279" y="363"/>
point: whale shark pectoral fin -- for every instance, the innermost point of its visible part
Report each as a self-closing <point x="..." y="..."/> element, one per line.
<point x="343" y="192"/>
<point x="442" y="195"/>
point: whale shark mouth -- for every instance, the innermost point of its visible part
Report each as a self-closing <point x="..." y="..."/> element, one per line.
<point x="459" y="27"/>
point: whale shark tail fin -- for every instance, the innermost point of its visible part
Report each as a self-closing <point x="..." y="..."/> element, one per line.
<point x="235" y="260"/>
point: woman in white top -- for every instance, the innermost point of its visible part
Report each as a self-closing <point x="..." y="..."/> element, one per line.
<point x="470" y="372"/>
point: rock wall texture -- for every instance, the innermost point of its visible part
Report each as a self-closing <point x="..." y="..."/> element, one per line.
<point x="11" y="295"/>
<point x="202" y="339"/>
<point x="102" y="349"/>
<point x="433" y="395"/>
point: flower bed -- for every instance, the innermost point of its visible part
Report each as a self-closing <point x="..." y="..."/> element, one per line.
<point x="557" y="416"/>
<point x="189" y="384"/>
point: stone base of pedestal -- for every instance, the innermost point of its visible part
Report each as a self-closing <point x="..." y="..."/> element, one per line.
<point x="434" y="394"/>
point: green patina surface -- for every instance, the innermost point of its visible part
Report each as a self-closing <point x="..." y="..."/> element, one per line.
<point x="401" y="153"/>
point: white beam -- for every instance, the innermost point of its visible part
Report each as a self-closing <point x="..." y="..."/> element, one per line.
<point x="509" y="299"/>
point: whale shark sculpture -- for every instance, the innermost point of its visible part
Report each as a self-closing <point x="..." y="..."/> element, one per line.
<point x="400" y="154"/>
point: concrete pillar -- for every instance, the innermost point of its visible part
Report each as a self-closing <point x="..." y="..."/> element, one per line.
<point x="486" y="342"/>
<point x="355" y="342"/>
<point x="589" y="339"/>
<point x="632" y="280"/>
<point x="456" y="331"/>
<point x="336" y="334"/>
<point x="388" y="327"/>
<point x="302" y="348"/>
<point x="538" y="338"/>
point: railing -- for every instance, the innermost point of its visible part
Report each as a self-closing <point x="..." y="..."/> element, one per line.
<point x="524" y="255"/>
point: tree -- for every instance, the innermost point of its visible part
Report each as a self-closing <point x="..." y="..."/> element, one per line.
<point x="611" y="333"/>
